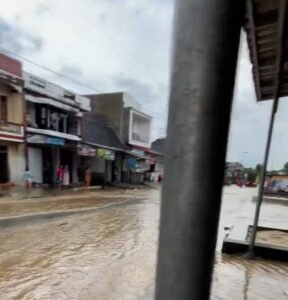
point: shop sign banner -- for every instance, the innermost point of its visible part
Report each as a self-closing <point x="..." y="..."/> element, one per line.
<point x="138" y="152"/>
<point x="11" y="128"/>
<point x="131" y="163"/>
<point x="277" y="183"/>
<point x="55" y="141"/>
<point x="106" y="154"/>
<point x="41" y="139"/>
<point x="85" y="150"/>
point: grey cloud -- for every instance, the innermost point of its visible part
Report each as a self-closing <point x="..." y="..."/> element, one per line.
<point x="41" y="9"/>
<point x="142" y="90"/>
<point x="14" y="39"/>
<point x="148" y="96"/>
<point x="71" y="71"/>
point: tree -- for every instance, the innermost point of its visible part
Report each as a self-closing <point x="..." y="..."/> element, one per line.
<point x="285" y="169"/>
<point x="251" y="174"/>
<point x="258" y="169"/>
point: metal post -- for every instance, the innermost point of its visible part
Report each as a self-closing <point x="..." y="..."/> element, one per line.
<point x="280" y="43"/>
<point x="26" y="149"/>
<point x="206" y="41"/>
<point x="262" y="178"/>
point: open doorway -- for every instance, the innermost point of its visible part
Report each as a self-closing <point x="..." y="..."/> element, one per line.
<point x="3" y="165"/>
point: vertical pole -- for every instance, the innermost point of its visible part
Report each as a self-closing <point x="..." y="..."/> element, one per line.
<point x="262" y="179"/>
<point x="24" y="110"/>
<point x="206" y="42"/>
<point x="26" y="150"/>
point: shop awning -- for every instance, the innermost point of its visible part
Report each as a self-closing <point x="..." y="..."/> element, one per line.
<point x="52" y="102"/>
<point x="137" y="155"/>
<point x="147" y="150"/>
<point x="266" y="27"/>
<point x="13" y="80"/>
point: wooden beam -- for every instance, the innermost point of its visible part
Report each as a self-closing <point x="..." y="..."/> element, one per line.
<point x="251" y="33"/>
<point x="280" y="46"/>
<point x="264" y="33"/>
<point x="263" y="41"/>
<point x="266" y="49"/>
<point x="272" y="26"/>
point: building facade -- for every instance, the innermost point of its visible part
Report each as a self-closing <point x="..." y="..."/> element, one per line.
<point x="132" y="126"/>
<point x="12" y="148"/>
<point x="233" y="172"/>
<point x="159" y="147"/>
<point x="106" y="161"/>
<point x="54" y="128"/>
<point x="136" y="128"/>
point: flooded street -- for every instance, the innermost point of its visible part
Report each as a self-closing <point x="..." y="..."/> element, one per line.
<point x="111" y="254"/>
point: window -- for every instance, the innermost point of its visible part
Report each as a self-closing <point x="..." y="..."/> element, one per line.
<point x="3" y="108"/>
<point x="37" y="82"/>
<point x="69" y="95"/>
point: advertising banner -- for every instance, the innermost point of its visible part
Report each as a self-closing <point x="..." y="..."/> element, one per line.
<point x="106" y="154"/>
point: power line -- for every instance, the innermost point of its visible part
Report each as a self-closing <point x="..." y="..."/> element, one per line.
<point x="155" y="113"/>
<point x="48" y="69"/>
<point x="127" y="59"/>
<point x="114" y="50"/>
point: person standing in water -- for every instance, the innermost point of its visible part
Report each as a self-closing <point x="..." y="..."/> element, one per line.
<point x="60" y="173"/>
<point x="87" y="176"/>
<point x="66" y="176"/>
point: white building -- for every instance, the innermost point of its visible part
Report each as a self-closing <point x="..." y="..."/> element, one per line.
<point x="54" y="117"/>
<point x="137" y="127"/>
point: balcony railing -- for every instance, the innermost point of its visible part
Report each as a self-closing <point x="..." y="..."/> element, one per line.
<point x="10" y="128"/>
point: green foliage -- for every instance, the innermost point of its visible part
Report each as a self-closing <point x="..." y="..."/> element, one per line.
<point x="285" y="169"/>
<point x="251" y="174"/>
<point x="258" y="169"/>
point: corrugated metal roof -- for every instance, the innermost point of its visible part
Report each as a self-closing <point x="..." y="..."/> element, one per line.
<point x="96" y="131"/>
<point x="266" y="28"/>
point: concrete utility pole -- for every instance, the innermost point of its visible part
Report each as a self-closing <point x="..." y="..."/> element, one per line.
<point x="206" y="42"/>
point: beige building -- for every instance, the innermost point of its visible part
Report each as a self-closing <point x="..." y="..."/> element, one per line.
<point x="12" y="158"/>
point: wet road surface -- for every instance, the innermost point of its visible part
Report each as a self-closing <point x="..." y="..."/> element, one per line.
<point x="111" y="254"/>
<point x="15" y="207"/>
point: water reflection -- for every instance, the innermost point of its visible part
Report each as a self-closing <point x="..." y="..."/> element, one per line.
<point x="247" y="279"/>
<point x="235" y="278"/>
<point x="111" y="254"/>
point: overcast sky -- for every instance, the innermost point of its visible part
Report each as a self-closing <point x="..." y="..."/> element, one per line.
<point x="125" y="45"/>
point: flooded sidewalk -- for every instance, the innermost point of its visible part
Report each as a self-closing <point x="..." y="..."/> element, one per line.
<point x="111" y="254"/>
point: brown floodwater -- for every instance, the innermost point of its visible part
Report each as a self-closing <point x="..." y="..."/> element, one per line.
<point x="111" y="254"/>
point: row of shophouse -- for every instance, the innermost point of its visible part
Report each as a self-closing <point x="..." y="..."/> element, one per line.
<point x="43" y="125"/>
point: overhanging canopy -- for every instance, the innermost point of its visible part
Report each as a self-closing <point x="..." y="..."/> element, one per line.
<point x="266" y="28"/>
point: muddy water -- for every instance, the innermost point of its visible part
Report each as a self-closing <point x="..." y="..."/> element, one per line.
<point x="111" y="254"/>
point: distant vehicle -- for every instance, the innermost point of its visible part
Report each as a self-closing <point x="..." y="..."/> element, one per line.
<point x="251" y="184"/>
<point x="241" y="182"/>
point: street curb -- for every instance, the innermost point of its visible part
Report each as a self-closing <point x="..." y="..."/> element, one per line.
<point x="275" y="200"/>
<point x="46" y="216"/>
<point x="70" y="191"/>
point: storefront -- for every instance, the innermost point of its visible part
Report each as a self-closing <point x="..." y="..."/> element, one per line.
<point x="142" y="164"/>
<point x="101" y="161"/>
<point x="45" y="155"/>
<point x="4" y="174"/>
<point x="134" y="168"/>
